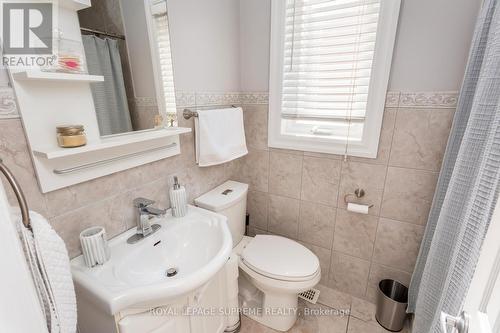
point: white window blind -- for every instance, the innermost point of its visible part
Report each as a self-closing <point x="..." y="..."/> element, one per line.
<point x="333" y="69"/>
<point x="162" y="36"/>
<point x="329" y="48"/>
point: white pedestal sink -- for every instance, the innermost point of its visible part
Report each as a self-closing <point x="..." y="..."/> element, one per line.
<point x="119" y="295"/>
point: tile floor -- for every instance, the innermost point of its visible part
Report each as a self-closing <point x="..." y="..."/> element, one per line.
<point x="360" y="320"/>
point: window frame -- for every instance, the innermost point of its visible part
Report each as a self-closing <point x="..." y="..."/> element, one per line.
<point x="384" y="47"/>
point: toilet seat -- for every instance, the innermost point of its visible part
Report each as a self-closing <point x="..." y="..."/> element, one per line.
<point x="273" y="271"/>
<point x="280" y="258"/>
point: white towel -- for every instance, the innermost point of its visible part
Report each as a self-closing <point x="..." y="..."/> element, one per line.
<point x="48" y="260"/>
<point x="220" y="136"/>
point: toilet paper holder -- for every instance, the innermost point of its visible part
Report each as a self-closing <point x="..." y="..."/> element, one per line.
<point x="358" y="193"/>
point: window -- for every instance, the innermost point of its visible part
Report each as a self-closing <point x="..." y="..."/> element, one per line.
<point x="330" y="64"/>
<point x="161" y="44"/>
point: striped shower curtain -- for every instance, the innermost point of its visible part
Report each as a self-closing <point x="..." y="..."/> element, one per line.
<point x="110" y="97"/>
<point x="467" y="188"/>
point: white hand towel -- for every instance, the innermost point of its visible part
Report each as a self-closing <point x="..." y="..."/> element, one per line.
<point x="220" y="136"/>
<point x="48" y="260"/>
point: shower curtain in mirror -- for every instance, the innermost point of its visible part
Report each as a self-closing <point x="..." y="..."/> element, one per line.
<point x="467" y="188"/>
<point x="110" y="98"/>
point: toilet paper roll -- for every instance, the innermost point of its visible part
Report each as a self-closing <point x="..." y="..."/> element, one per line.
<point x="356" y="208"/>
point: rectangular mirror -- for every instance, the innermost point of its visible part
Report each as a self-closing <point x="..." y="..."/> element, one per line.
<point x="128" y="42"/>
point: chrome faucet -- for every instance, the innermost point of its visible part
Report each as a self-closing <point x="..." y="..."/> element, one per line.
<point x="144" y="213"/>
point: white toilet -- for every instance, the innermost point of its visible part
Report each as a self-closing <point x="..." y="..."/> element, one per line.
<point x="273" y="269"/>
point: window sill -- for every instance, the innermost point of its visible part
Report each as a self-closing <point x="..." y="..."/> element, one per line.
<point x="355" y="150"/>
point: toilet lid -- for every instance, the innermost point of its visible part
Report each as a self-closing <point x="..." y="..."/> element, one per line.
<point x="280" y="258"/>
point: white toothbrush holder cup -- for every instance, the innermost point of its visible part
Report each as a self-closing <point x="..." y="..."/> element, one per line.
<point x="95" y="246"/>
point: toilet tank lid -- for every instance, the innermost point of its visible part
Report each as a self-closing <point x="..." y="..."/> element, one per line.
<point x="223" y="196"/>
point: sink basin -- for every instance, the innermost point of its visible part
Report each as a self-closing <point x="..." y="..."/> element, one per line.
<point x="192" y="249"/>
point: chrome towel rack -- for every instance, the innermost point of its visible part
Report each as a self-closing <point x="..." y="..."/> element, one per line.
<point x="23" y="205"/>
<point x="188" y="113"/>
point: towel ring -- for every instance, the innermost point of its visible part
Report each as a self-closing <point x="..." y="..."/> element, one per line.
<point x="19" y="194"/>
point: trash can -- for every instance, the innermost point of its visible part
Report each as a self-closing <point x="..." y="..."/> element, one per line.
<point x="392" y="300"/>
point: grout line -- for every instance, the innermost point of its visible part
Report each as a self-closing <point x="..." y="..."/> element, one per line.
<point x="300" y="192"/>
<point x="381" y="201"/>
<point x="331" y="250"/>
<point x="418" y="108"/>
<point x="403" y="222"/>
<point x="414" y="169"/>
<point x="267" y="210"/>
<point x="334" y="227"/>
<point x="299" y="219"/>
<point x="349" y="317"/>
<point x="336" y="219"/>
<point x="112" y="197"/>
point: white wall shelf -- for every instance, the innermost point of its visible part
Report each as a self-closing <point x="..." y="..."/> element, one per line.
<point x="46" y="100"/>
<point x="75" y="4"/>
<point x="37" y="75"/>
<point x="109" y="143"/>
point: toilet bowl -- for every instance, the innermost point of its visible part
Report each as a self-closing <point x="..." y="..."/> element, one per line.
<point x="280" y="269"/>
<point x="273" y="269"/>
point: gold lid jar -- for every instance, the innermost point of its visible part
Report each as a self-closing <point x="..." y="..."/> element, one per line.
<point x="71" y="136"/>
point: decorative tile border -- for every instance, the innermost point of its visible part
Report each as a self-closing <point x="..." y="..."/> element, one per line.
<point x="216" y="98"/>
<point x="143" y="101"/>
<point x="185" y="99"/>
<point x="190" y="99"/>
<point x="443" y="99"/>
<point x="392" y="99"/>
<point x="8" y="108"/>
<point x="254" y="98"/>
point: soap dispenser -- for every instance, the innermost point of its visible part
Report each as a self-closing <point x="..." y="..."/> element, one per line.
<point x="178" y="199"/>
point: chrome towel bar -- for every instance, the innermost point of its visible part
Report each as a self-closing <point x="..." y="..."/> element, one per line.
<point x="188" y="113"/>
<point x="109" y="160"/>
<point x="23" y="205"/>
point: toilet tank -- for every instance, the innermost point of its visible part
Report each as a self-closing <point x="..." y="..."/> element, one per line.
<point x="230" y="200"/>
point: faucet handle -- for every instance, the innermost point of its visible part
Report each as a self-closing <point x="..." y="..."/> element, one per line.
<point x="142" y="202"/>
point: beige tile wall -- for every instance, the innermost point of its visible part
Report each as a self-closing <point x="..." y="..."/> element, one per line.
<point x="292" y="193"/>
<point x="300" y="195"/>
<point x="104" y="201"/>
